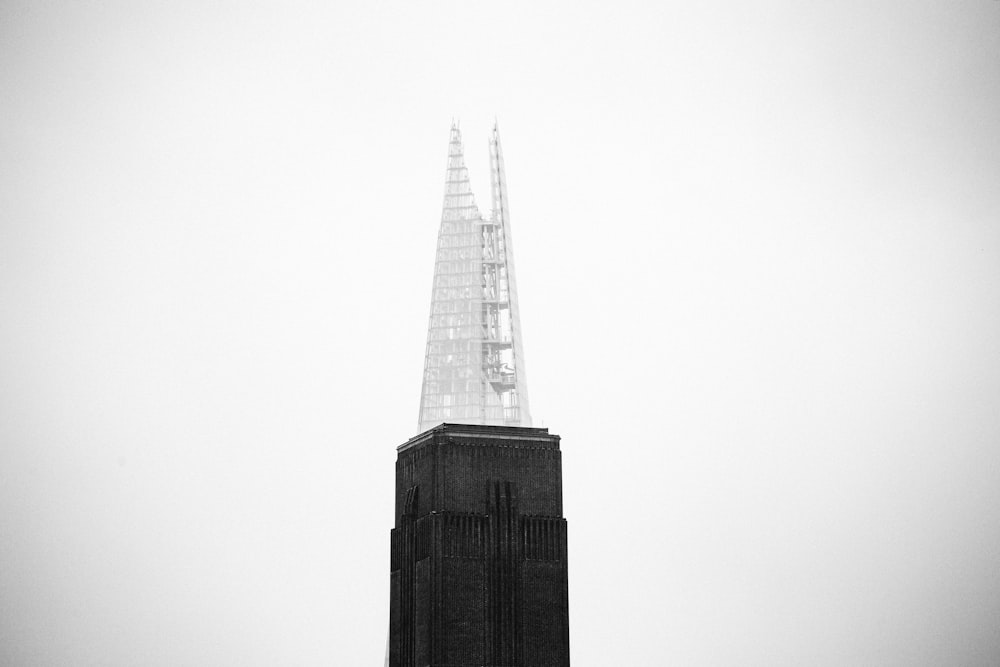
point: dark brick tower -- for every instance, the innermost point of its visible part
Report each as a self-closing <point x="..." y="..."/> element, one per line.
<point x="478" y="566"/>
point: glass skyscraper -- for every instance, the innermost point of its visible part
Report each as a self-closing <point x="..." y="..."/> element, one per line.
<point x="474" y="361"/>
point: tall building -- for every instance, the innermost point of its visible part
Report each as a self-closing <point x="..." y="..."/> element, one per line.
<point x="474" y="362"/>
<point x="478" y="567"/>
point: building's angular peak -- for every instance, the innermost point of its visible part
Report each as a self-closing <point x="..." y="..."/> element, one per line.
<point x="501" y="215"/>
<point x="457" y="186"/>
<point x="474" y="361"/>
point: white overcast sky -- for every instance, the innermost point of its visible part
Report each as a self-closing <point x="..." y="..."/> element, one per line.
<point x="758" y="249"/>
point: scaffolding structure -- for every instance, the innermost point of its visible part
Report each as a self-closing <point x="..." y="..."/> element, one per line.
<point x="474" y="360"/>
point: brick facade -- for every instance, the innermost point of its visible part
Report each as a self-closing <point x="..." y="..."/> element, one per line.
<point x="478" y="563"/>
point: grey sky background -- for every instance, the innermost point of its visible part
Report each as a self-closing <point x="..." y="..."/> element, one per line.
<point x="759" y="260"/>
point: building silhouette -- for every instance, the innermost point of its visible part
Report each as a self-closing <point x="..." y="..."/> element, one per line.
<point x="478" y="567"/>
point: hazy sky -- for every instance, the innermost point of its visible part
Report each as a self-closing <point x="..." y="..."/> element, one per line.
<point x="758" y="250"/>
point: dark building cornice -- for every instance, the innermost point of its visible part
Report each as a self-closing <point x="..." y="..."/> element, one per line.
<point x="468" y="434"/>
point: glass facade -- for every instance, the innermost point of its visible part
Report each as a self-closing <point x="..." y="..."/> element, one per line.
<point x="474" y="363"/>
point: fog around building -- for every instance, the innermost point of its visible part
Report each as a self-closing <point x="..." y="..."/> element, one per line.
<point x="758" y="262"/>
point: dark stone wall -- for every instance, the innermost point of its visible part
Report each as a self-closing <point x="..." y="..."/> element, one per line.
<point x="478" y="564"/>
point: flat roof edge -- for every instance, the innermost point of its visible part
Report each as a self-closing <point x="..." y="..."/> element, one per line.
<point x="482" y="431"/>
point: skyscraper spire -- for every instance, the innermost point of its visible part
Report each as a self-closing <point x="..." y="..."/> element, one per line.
<point x="474" y="362"/>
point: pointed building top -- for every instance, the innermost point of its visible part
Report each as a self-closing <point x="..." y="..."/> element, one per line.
<point x="474" y="363"/>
